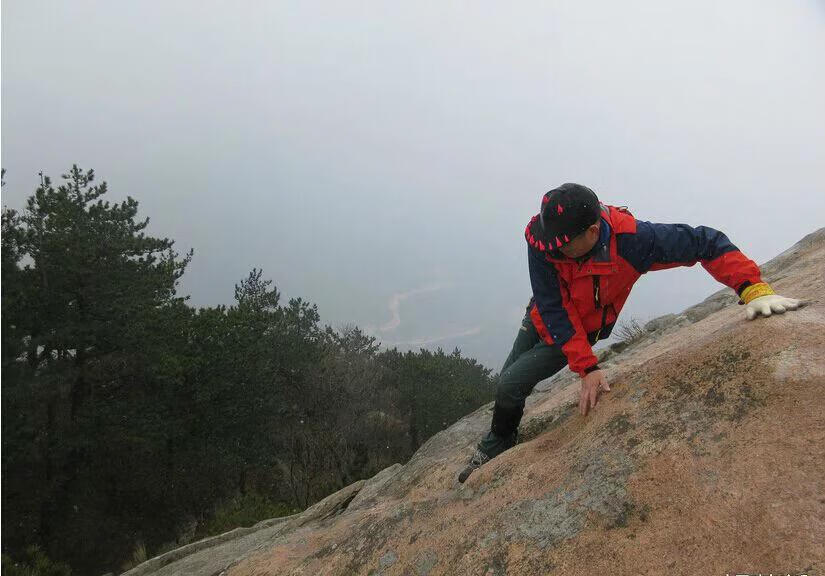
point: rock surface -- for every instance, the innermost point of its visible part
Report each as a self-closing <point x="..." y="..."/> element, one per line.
<point x="706" y="457"/>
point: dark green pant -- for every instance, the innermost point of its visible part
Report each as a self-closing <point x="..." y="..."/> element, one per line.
<point x="530" y="361"/>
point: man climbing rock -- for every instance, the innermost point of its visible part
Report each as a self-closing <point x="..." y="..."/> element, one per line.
<point x="584" y="258"/>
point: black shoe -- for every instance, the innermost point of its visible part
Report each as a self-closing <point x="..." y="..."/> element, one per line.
<point x="478" y="459"/>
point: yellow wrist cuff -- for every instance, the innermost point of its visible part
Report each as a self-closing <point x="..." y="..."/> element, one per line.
<point x="756" y="291"/>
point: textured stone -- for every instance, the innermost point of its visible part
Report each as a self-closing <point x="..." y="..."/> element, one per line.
<point x="703" y="458"/>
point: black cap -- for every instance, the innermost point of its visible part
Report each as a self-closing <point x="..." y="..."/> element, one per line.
<point x="566" y="212"/>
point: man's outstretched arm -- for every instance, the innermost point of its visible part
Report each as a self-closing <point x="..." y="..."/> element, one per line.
<point x="657" y="246"/>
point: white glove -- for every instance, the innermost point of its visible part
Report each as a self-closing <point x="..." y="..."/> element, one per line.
<point x="772" y="303"/>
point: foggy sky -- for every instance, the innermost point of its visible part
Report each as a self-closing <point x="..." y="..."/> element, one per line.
<point x="382" y="159"/>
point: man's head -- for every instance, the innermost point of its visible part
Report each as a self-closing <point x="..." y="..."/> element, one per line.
<point x="569" y="219"/>
<point x="583" y="243"/>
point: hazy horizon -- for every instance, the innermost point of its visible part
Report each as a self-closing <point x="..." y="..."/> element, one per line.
<point x="382" y="161"/>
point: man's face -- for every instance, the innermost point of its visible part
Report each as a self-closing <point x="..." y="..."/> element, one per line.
<point x="583" y="243"/>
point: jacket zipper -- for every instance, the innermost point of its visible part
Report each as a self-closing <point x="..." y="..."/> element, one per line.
<point x="598" y="303"/>
<point x="596" y="291"/>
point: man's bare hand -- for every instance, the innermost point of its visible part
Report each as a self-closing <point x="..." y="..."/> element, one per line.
<point x="591" y="384"/>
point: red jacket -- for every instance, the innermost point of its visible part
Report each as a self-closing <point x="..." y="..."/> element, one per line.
<point x="576" y="303"/>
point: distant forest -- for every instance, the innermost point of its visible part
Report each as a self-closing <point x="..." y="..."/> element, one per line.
<point x="134" y="423"/>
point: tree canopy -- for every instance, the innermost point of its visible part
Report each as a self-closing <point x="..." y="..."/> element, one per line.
<point x="134" y="423"/>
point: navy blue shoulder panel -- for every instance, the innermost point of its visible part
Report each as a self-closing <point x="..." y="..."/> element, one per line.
<point x="655" y="243"/>
<point x="635" y="247"/>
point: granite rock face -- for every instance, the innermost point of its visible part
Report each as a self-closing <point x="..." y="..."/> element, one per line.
<point x="706" y="457"/>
